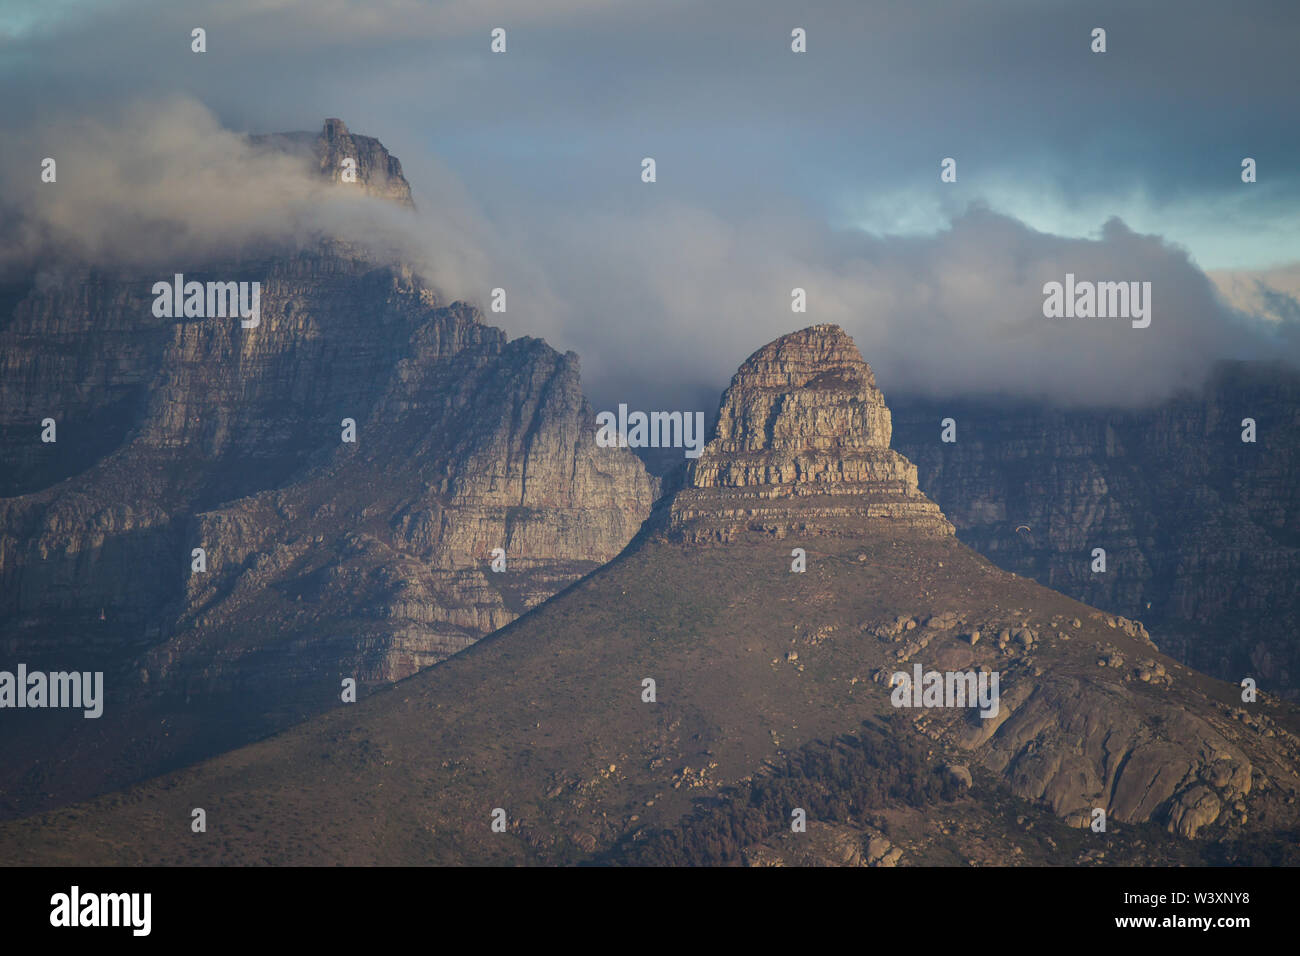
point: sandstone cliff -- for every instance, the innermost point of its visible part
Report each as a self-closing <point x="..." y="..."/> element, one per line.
<point x="1201" y="530"/>
<point x="802" y="445"/>
<point x="324" y="559"/>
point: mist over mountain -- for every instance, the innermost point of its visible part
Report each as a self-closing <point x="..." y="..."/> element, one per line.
<point x="233" y="519"/>
<point x="321" y="248"/>
<point x="825" y="175"/>
<point x="956" y="313"/>
<point x="948" y="515"/>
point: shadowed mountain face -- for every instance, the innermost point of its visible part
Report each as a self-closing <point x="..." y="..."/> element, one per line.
<point x="1201" y="530"/>
<point x="771" y="694"/>
<point x="322" y="559"/>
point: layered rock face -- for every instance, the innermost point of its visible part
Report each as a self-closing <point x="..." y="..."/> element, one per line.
<point x="322" y="559"/>
<point x="1201" y="530"/>
<point x="802" y="445"/>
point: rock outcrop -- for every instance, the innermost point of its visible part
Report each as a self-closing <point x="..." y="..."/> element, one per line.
<point x="802" y="445"/>
<point x="378" y="173"/>
<point x="775" y="690"/>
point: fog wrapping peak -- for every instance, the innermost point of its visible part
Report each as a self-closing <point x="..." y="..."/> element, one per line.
<point x="661" y="298"/>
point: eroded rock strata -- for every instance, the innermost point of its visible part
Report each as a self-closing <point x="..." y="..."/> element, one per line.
<point x="1201" y="530"/>
<point x="323" y="559"/>
<point x="802" y="445"/>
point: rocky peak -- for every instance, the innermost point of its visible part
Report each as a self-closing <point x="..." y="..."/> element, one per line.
<point x="369" y="559"/>
<point x="802" y="444"/>
<point x="335" y="130"/>
<point x="379" y="173"/>
<point x="808" y="389"/>
<point x="796" y="360"/>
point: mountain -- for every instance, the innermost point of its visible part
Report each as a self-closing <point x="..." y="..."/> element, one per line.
<point x="322" y="559"/>
<point x="771" y="694"/>
<point x="1201" y="530"/>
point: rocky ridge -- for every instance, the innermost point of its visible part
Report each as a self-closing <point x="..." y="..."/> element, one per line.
<point x="323" y="559"/>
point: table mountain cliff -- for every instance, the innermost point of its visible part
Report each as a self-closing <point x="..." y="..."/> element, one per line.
<point x="322" y="559"/>
<point x="1201" y="529"/>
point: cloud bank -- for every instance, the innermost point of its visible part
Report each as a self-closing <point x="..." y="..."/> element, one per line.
<point x="818" y="171"/>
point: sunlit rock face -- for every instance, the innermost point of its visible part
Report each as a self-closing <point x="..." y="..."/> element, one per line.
<point x="802" y="445"/>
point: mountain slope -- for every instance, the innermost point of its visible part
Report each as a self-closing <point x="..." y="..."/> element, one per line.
<point x="758" y="672"/>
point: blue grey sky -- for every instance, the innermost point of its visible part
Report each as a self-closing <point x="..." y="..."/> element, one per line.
<point x="775" y="169"/>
